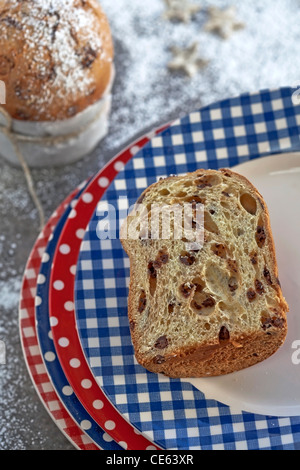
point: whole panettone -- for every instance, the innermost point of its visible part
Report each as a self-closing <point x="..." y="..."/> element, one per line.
<point x="56" y="57"/>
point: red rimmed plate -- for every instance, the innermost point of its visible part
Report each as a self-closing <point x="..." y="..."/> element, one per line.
<point x="30" y="344"/>
<point x="62" y="315"/>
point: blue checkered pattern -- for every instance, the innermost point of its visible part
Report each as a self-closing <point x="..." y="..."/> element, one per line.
<point x="53" y="367"/>
<point x="173" y="413"/>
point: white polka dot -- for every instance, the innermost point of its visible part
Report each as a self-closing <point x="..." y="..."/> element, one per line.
<point x="41" y="279"/>
<point x="73" y="269"/>
<point x="98" y="404"/>
<point x="64" y="249"/>
<point x="123" y="444"/>
<point x="72" y="214"/>
<point x="110" y="425"/>
<point x="151" y="448"/>
<point x="73" y="203"/>
<point x="119" y="166"/>
<point x="38" y="301"/>
<point x="58" y="285"/>
<point x="69" y="306"/>
<point x="63" y="342"/>
<point x="82" y="185"/>
<point x="87" y="198"/>
<point x="85" y="424"/>
<point x="107" y="437"/>
<point x="134" y="150"/>
<point x="103" y="182"/>
<point x="86" y="384"/>
<point x="67" y="390"/>
<point x="80" y="233"/>
<point x="49" y="356"/>
<point x="45" y="258"/>
<point x="53" y="321"/>
<point x="50" y="335"/>
<point x="75" y="363"/>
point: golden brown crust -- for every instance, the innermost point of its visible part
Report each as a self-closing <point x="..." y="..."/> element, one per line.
<point x="213" y="361"/>
<point x="55" y="58"/>
<point x="221" y="355"/>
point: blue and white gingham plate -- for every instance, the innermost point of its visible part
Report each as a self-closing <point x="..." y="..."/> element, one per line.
<point x="173" y="413"/>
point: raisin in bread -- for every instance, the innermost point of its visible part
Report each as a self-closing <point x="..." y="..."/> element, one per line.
<point x="211" y="311"/>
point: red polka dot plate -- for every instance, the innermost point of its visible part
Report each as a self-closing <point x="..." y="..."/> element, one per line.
<point x="62" y="315"/>
<point x="30" y="344"/>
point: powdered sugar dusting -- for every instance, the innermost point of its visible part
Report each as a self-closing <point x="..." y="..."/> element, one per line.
<point x="59" y="37"/>
<point x="262" y="55"/>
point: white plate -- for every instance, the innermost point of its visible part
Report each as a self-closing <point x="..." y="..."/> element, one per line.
<point x="273" y="386"/>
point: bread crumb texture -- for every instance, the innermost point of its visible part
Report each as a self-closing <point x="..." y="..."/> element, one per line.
<point x="215" y="310"/>
<point x="55" y="57"/>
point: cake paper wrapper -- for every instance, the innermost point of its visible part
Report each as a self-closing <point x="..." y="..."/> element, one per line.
<point x="45" y="144"/>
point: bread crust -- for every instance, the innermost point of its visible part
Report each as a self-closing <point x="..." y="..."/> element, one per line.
<point x="216" y="360"/>
<point x="52" y="64"/>
<point x="216" y="357"/>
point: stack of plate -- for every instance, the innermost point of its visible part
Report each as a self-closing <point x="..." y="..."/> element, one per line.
<point x="73" y="308"/>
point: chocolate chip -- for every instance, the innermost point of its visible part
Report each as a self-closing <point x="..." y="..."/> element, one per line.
<point x="267" y="276"/>
<point x="225" y="172"/>
<point x="195" y="200"/>
<point x="253" y="258"/>
<point x="199" y="287"/>
<point x="209" y="302"/>
<point x="142" y="302"/>
<point x="225" y="194"/>
<point x="161" y="342"/>
<point x="132" y="325"/>
<point x="152" y="270"/>
<point x="171" y="307"/>
<point x="232" y="265"/>
<point x="196" y="306"/>
<point x="259" y="287"/>
<point x="233" y="284"/>
<point x="224" y="334"/>
<point x="277" y="322"/>
<point x="162" y="257"/>
<point x="260" y="236"/>
<point x="251" y="294"/>
<point x="219" y="250"/>
<point x="187" y="259"/>
<point x="186" y="289"/>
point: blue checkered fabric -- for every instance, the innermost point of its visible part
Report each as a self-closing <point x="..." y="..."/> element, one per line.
<point x="170" y="412"/>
